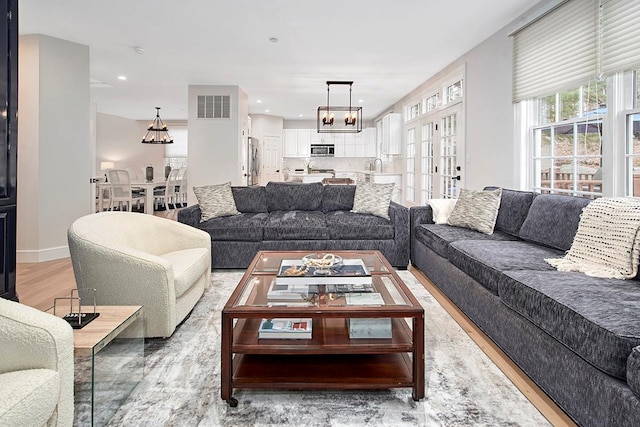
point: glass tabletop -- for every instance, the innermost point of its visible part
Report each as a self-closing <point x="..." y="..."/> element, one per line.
<point x="262" y="287"/>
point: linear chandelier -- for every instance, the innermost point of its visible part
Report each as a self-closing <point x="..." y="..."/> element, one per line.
<point x="158" y="132"/>
<point x="325" y="120"/>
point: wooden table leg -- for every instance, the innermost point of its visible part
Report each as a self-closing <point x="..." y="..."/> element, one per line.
<point x="418" y="357"/>
<point x="226" y="362"/>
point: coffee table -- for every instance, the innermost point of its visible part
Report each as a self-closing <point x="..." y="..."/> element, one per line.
<point x="330" y="359"/>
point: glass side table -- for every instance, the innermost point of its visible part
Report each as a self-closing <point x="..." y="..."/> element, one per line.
<point x="109" y="362"/>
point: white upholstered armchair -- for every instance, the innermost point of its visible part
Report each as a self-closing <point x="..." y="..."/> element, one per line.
<point x="36" y="367"/>
<point x="139" y="259"/>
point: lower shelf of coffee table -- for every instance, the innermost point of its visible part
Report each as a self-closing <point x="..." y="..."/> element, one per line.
<point x="339" y="371"/>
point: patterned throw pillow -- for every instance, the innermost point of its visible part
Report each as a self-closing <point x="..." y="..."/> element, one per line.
<point x="477" y="210"/>
<point x="215" y="201"/>
<point x="373" y="199"/>
<point x="442" y="209"/>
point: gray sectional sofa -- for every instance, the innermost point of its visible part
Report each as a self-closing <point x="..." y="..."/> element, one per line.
<point x="295" y="216"/>
<point x="576" y="336"/>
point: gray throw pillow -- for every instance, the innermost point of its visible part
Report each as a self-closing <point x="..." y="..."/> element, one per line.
<point x="215" y="201"/>
<point x="477" y="210"/>
<point x="373" y="199"/>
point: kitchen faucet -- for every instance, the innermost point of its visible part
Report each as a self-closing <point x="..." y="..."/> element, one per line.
<point x="377" y="159"/>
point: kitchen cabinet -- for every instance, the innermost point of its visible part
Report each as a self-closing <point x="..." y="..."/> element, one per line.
<point x="391" y="134"/>
<point x="297" y="142"/>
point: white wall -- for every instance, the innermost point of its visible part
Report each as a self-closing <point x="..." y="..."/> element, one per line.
<point x="489" y="115"/>
<point x="54" y="164"/>
<point x="118" y="140"/>
<point x="215" y="144"/>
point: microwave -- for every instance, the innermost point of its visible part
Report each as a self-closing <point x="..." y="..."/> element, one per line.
<point x="323" y="150"/>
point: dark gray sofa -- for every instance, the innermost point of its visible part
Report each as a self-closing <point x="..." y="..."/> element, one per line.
<point x="295" y="216"/>
<point x="577" y="337"/>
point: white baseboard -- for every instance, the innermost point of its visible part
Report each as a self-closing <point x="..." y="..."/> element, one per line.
<point x="42" y="255"/>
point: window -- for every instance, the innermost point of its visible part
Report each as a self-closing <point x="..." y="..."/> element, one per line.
<point x="568" y="143"/>
<point x="453" y="92"/>
<point x="413" y="111"/>
<point x="431" y="103"/>
<point x="427" y="162"/>
<point x="214" y="106"/>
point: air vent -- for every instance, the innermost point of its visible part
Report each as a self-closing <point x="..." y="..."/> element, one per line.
<point x="214" y="106"/>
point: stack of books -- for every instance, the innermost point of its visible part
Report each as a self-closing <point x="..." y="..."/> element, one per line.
<point x="350" y="271"/>
<point x="300" y="329"/>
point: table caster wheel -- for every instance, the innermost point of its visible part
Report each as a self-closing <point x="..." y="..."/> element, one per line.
<point x="233" y="402"/>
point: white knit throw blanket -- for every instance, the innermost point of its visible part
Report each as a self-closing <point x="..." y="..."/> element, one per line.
<point x="607" y="242"/>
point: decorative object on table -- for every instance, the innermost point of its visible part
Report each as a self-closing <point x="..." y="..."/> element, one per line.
<point x="325" y="120"/>
<point x="106" y="166"/>
<point x="149" y="172"/>
<point x="300" y="329"/>
<point x="360" y="328"/>
<point x="157" y="132"/>
<point x="78" y="319"/>
<point x="167" y="171"/>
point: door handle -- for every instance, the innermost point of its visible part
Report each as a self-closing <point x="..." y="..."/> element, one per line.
<point x="457" y="177"/>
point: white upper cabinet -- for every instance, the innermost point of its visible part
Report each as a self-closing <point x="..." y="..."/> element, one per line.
<point x="297" y="142"/>
<point x="391" y="134"/>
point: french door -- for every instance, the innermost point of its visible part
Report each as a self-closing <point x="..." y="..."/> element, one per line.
<point x="434" y="154"/>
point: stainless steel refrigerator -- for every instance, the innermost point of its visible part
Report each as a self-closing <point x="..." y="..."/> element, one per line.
<point x="253" y="161"/>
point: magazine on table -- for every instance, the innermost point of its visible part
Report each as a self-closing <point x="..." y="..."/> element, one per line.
<point x="285" y="328"/>
<point x="364" y="298"/>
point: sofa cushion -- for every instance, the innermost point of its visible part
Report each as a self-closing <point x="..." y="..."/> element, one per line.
<point x="188" y="265"/>
<point x="438" y="236"/>
<point x="476" y="210"/>
<point x="553" y="220"/>
<point x="296" y="225"/>
<point x="244" y="227"/>
<point x="596" y="318"/>
<point x="29" y="397"/>
<point x="215" y="201"/>
<point x="485" y="260"/>
<point x="373" y="199"/>
<point x="250" y="199"/>
<point x="344" y="225"/>
<point x="633" y="371"/>
<point x="514" y="207"/>
<point x="337" y="198"/>
<point x="441" y="209"/>
<point x="294" y="196"/>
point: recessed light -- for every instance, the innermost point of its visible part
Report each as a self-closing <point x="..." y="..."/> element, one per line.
<point x="266" y="111"/>
<point x="273" y="39"/>
<point x="300" y="115"/>
<point x="122" y="77"/>
<point x="361" y="101"/>
<point x="259" y="101"/>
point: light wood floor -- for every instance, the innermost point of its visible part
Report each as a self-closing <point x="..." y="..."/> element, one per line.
<point x="38" y="284"/>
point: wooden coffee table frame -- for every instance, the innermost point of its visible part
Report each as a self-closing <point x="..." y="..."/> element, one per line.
<point x="330" y="360"/>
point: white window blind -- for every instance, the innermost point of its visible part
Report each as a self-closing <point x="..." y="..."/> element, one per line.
<point x="557" y="51"/>
<point x="620" y="35"/>
<point x="179" y="146"/>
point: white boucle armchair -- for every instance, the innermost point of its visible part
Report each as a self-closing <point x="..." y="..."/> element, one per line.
<point x="36" y="367"/>
<point x="138" y="259"/>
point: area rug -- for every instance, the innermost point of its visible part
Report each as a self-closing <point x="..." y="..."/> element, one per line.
<point x="181" y="385"/>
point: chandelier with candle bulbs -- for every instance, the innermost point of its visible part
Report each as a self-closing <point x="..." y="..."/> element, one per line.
<point x="326" y="122"/>
<point x="157" y="132"/>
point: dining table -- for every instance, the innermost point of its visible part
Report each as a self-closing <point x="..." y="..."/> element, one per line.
<point x="147" y="186"/>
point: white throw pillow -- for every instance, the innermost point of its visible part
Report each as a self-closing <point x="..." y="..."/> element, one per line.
<point x="477" y="210"/>
<point x="442" y="209"/>
<point x="215" y="201"/>
<point x="373" y="199"/>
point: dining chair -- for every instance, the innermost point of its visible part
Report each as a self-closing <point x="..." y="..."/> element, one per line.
<point x="181" y="186"/>
<point x="167" y="195"/>
<point x="121" y="191"/>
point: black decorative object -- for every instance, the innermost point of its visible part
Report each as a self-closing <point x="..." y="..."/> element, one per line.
<point x="78" y="319"/>
<point x="149" y="173"/>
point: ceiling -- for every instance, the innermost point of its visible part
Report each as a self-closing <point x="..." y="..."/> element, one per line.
<point x="387" y="48"/>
